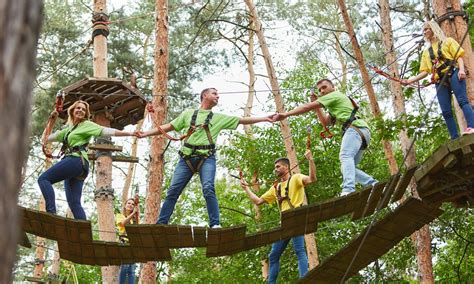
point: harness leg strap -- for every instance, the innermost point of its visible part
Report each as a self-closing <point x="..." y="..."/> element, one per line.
<point x="364" y="142"/>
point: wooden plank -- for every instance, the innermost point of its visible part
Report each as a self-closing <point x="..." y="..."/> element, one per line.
<point x="374" y="199"/>
<point x="218" y="240"/>
<point x="433" y="163"/>
<point x="23" y="240"/>
<point x="403" y="184"/>
<point x="364" y="195"/>
<point x="467" y="155"/>
<point x="373" y="247"/>
<point x="106" y="147"/>
<point x="389" y="189"/>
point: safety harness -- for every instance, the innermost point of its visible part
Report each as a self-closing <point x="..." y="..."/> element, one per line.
<point x="348" y="124"/>
<point x="438" y="70"/>
<point x="68" y="150"/>
<point x="211" y="147"/>
<point x="286" y="197"/>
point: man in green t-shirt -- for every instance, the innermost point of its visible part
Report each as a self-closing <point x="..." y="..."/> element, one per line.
<point x="356" y="133"/>
<point x="202" y="128"/>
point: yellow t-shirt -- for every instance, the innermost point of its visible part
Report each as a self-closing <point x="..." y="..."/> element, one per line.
<point x="448" y="50"/>
<point x="295" y="192"/>
<point x="119" y="217"/>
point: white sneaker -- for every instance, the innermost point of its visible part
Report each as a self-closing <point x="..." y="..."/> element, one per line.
<point x="344" y="193"/>
<point x="216" y="227"/>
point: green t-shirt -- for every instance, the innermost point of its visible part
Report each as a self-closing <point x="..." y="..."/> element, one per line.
<point x="81" y="135"/>
<point x="340" y="106"/>
<point x="199" y="137"/>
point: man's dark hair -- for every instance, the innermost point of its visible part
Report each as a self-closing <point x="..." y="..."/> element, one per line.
<point x="285" y="161"/>
<point x="203" y="92"/>
<point x="325" y="79"/>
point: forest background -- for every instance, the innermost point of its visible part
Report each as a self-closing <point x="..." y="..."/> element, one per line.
<point x="207" y="44"/>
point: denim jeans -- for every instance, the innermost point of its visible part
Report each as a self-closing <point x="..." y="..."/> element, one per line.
<point x="127" y="272"/>
<point x="68" y="169"/>
<point x="181" y="177"/>
<point x="444" y="98"/>
<point x="350" y="155"/>
<point x="277" y="250"/>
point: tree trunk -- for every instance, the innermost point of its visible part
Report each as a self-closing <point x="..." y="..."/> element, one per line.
<point x="41" y="242"/>
<point x="104" y="193"/>
<point x="340" y="56"/>
<point x="420" y="239"/>
<point x="20" y="23"/>
<point x="131" y="166"/>
<point x="285" y="129"/>
<point x="387" y="146"/>
<point x="160" y="104"/>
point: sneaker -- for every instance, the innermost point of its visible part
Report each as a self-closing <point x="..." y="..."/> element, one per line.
<point x="216" y="227"/>
<point x="345" y="192"/>
<point x="468" y="131"/>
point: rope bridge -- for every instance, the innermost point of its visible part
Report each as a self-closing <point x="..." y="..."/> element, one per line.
<point x="446" y="176"/>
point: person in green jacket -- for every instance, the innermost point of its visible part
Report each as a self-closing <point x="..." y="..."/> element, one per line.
<point x="73" y="168"/>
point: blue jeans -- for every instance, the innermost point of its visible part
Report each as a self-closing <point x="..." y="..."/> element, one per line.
<point x="444" y="98"/>
<point x="127" y="272"/>
<point x="182" y="175"/>
<point x="68" y="169"/>
<point x="277" y="250"/>
<point x="350" y="155"/>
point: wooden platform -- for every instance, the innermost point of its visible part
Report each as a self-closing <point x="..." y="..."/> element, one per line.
<point x="124" y="103"/>
<point x="448" y="174"/>
<point x="382" y="236"/>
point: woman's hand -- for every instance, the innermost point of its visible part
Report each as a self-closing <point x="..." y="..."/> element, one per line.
<point x="54" y="114"/>
<point x="461" y="75"/>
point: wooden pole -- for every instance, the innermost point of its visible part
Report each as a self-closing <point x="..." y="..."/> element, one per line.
<point x="285" y="128"/>
<point x="104" y="193"/>
<point x="160" y="105"/>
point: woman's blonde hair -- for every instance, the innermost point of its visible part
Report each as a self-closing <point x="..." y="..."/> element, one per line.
<point x="70" y="112"/>
<point x="436" y="29"/>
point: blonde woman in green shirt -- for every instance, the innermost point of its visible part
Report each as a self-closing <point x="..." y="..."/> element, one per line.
<point x="198" y="152"/>
<point x="74" y="166"/>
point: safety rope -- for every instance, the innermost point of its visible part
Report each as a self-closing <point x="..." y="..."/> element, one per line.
<point x="58" y="108"/>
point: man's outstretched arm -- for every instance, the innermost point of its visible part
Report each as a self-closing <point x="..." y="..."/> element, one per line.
<point x="253" y="120"/>
<point x="253" y="197"/>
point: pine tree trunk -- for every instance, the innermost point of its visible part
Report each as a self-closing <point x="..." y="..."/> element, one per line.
<point x="104" y="193"/>
<point x="20" y="23"/>
<point x="160" y="105"/>
<point x="131" y="166"/>
<point x="41" y="242"/>
<point x="420" y="239"/>
<point x="285" y="129"/>
<point x="342" y="60"/>
<point x="387" y="146"/>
